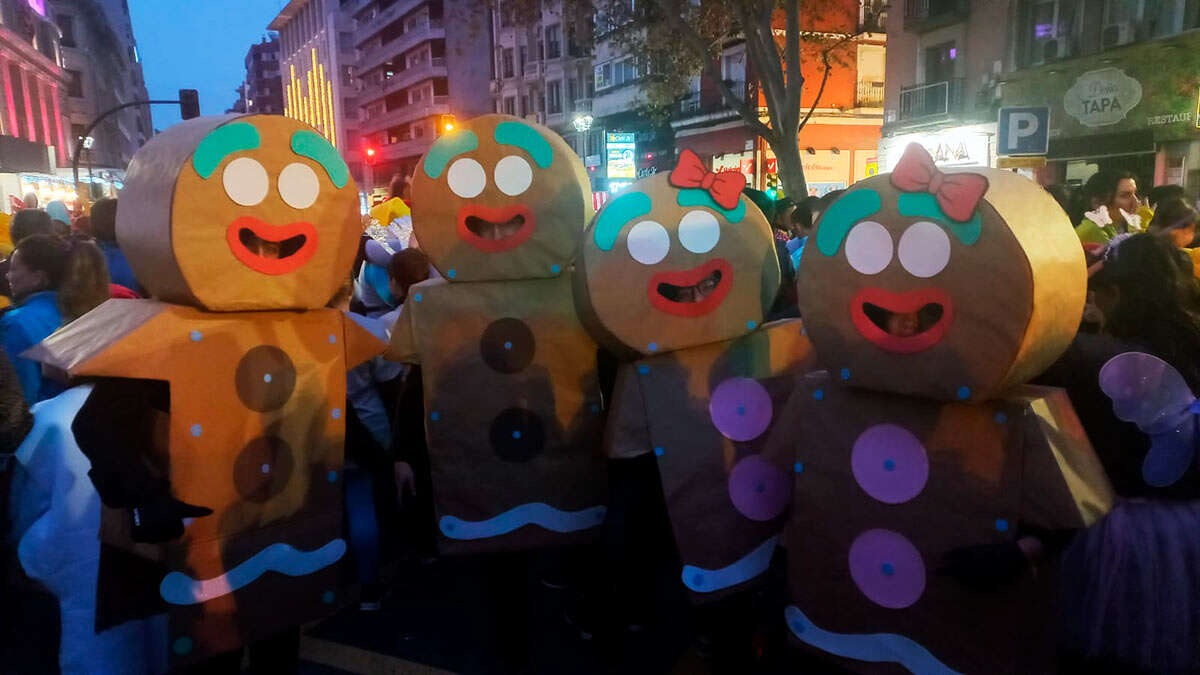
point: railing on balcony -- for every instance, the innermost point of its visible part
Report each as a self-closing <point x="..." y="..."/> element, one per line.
<point x="406" y="113"/>
<point x="927" y="100"/>
<point x="690" y="104"/>
<point x="582" y="105"/>
<point x="404" y="78"/>
<point x="928" y="14"/>
<point x="870" y="94"/>
<point x="533" y="69"/>
<point x="375" y="54"/>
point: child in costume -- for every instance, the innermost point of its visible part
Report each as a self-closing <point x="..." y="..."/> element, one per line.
<point x="222" y="476"/>
<point x="512" y="399"/>
<point x="926" y="478"/>
<point x="676" y="276"/>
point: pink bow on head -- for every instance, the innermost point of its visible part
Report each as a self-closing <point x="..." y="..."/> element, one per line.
<point x="957" y="194"/>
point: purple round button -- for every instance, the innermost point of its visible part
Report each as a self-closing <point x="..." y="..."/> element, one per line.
<point x="758" y="490"/>
<point x="887" y="568"/>
<point x="740" y="408"/>
<point x="890" y="463"/>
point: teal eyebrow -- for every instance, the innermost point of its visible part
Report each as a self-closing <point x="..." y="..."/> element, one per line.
<point x="447" y="148"/>
<point x="924" y="205"/>
<point x="222" y="142"/>
<point x="527" y="138"/>
<point x="614" y="216"/>
<point x="837" y="220"/>
<point x="312" y="145"/>
<point x="694" y="197"/>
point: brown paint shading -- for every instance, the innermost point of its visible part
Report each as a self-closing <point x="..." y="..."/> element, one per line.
<point x="265" y="378"/>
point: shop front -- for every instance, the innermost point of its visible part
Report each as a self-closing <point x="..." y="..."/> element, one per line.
<point x="1134" y="108"/>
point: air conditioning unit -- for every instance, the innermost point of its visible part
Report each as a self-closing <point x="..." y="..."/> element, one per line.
<point x="1050" y="50"/>
<point x="1115" y="34"/>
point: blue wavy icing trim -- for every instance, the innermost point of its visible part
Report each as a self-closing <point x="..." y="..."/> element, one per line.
<point x="871" y="647"/>
<point x="178" y="588"/>
<point x="746" y="568"/>
<point x="534" y="513"/>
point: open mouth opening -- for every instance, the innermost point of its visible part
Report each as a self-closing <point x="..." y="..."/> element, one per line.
<point x="271" y="250"/>
<point x="697" y="292"/>
<point x="495" y="231"/>
<point x="904" y="324"/>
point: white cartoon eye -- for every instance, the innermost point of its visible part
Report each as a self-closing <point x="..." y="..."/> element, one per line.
<point x="869" y="247"/>
<point x="245" y="181"/>
<point x="298" y="185"/>
<point x="467" y="178"/>
<point x="699" y="231"/>
<point x="924" y="249"/>
<point x="648" y="242"/>
<point x="513" y="175"/>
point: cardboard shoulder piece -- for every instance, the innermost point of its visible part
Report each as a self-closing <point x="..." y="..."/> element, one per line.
<point x="683" y="274"/>
<point x="513" y="405"/>
<point x="223" y="214"/>
<point x="704" y="271"/>
<point x="995" y="297"/>
<point x="500" y="198"/>
<point x="889" y="476"/>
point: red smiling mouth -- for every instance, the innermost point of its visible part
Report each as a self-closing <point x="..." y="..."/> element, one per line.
<point x="494" y="230"/>
<point x="902" y="323"/>
<point x="693" y="292"/>
<point x="271" y="249"/>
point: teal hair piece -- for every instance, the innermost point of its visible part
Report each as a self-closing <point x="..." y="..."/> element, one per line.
<point x="696" y="197"/>
<point x="312" y="145"/>
<point x="847" y="210"/>
<point x="527" y="138"/>
<point x="222" y="142"/>
<point x="447" y="148"/>
<point x="924" y="205"/>
<point x="614" y="216"/>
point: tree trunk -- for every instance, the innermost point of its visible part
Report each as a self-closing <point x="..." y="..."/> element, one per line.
<point x="791" y="168"/>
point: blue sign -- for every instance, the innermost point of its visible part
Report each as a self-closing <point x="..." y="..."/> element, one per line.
<point x="1023" y="131"/>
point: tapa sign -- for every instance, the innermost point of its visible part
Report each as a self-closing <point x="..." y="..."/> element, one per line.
<point x="1102" y="97"/>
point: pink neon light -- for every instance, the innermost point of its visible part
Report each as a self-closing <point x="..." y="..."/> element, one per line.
<point x="45" y="113"/>
<point x="28" y="107"/>
<point x="61" y="150"/>
<point x="8" y="97"/>
<point x="38" y="6"/>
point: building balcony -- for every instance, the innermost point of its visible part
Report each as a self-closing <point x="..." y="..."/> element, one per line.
<point x="582" y="106"/>
<point x="869" y="95"/>
<point x="404" y="78"/>
<point x="375" y="56"/>
<point x="413" y="147"/>
<point x="924" y="101"/>
<point x="533" y="70"/>
<point x="926" y="15"/>
<point x="439" y="105"/>
<point x="369" y="29"/>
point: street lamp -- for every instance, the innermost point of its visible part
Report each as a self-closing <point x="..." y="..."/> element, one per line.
<point x="582" y="123"/>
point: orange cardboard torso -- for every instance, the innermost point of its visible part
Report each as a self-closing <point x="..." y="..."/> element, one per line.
<point x="885" y="485"/>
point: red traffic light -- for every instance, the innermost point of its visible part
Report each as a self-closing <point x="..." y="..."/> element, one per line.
<point x="369" y="154"/>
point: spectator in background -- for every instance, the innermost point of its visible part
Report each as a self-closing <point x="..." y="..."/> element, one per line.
<point x="1176" y="220"/>
<point x="104" y="229"/>
<point x="28" y="222"/>
<point x="1112" y="198"/>
<point x="88" y="271"/>
<point x="30" y="200"/>
<point x="60" y="218"/>
<point x="1164" y="193"/>
<point x="42" y="272"/>
<point x="1063" y="195"/>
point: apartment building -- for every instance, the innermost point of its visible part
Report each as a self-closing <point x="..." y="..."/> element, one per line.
<point x="31" y="82"/>
<point x="262" y="90"/>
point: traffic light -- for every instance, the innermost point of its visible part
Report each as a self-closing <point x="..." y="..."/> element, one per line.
<point x="189" y="103"/>
<point x="446" y="124"/>
<point x="369" y="155"/>
<point x="773" y="190"/>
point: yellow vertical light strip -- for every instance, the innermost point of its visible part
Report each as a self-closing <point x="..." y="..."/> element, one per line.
<point x="332" y="118"/>
<point x="313" y="88"/>
<point x="308" y="100"/>
<point x="321" y="99"/>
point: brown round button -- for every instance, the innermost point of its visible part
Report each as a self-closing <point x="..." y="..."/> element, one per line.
<point x="265" y="378"/>
<point x="262" y="469"/>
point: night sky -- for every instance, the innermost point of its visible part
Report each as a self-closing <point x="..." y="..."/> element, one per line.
<point x="197" y="44"/>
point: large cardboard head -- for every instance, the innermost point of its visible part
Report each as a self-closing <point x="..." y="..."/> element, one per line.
<point x="500" y="198"/>
<point x="951" y="285"/>
<point x="240" y="212"/>
<point x="664" y="267"/>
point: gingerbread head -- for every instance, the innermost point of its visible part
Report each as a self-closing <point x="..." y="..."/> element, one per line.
<point x="240" y="212"/>
<point x="953" y="286"/>
<point x="677" y="260"/>
<point x="500" y="198"/>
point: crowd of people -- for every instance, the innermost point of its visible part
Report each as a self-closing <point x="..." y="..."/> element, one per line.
<point x="1133" y="609"/>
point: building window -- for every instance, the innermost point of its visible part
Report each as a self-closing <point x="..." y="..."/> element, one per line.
<point x="416" y="95"/>
<point x="506" y="61"/>
<point x="522" y="57"/>
<point x="524" y="105"/>
<point x="506" y="14"/>
<point x="510" y="105"/>
<point x="74" y="84"/>
<point x="572" y="90"/>
<point x="554" y="97"/>
<point x="603" y="75"/>
<point x="553" y="41"/>
<point x="66" y="23"/>
<point x="418" y="130"/>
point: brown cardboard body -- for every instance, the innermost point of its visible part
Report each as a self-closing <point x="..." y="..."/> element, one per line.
<point x="1021" y="458"/>
<point x="287" y="491"/>
<point x="662" y="405"/>
<point x="458" y="332"/>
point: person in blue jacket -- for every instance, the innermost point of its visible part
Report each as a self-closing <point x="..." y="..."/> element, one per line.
<point x="104" y="229"/>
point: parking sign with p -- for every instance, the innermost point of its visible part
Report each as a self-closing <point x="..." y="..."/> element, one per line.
<point x="1023" y="131"/>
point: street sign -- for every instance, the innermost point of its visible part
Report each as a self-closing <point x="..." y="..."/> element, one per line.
<point x="1021" y="162"/>
<point x="622" y="149"/>
<point x="1023" y="131"/>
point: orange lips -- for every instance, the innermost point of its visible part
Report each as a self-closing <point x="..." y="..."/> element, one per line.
<point x="495" y="216"/>
<point x="691" y="277"/>
<point x="901" y="303"/>
<point x="297" y="242"/>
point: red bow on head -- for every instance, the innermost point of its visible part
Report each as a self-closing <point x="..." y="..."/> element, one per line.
<point x="958" y="194"/>
<point x="725" y="187"/>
